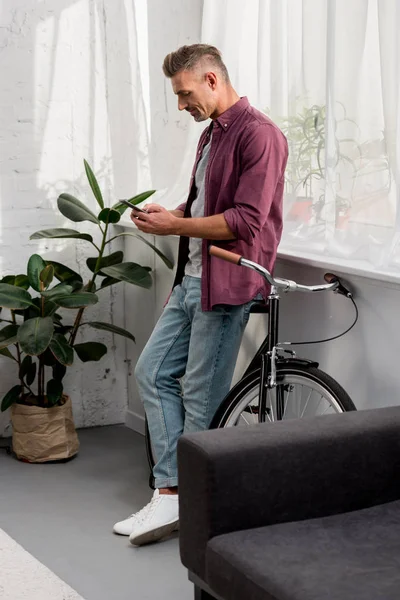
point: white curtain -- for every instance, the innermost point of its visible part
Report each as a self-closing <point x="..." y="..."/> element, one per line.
<point x="328" y="73"/>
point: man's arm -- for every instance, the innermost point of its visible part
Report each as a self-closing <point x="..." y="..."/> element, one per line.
<point x="263" y="157"/>
<point x="160" y="221"/>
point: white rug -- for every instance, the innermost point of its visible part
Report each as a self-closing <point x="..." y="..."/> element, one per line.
<point x="22" y="577"/>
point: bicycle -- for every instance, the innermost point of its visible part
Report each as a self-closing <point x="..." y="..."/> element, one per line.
<point x="277" y="384"/>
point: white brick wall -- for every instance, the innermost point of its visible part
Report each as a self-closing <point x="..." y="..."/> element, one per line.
<point x="57" y="62"/>
<point x="82" y="79"/>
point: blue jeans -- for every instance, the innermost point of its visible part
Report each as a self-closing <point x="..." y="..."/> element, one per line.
<point x="200" y="347"/>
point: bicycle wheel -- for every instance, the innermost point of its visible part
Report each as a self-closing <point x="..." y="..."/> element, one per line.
<point x="305" y="390"/>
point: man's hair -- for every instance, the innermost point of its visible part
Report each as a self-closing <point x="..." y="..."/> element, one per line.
<point x="187" y="58"/>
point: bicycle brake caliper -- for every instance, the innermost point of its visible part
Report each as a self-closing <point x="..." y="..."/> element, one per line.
<point x="272" y="377"/>
<point x="274" y="358"/>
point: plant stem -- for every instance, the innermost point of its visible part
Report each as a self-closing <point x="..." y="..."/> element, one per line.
<point x="90" y="285"/>
<point x="27" y="387"/>
<point x="14" y="322"/>
<point x="41" y="365"/>
<point x="96" y="246"/>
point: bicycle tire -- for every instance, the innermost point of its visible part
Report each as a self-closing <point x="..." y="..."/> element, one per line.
<point x="246" y="391"/>
<point x="149" y="453"/>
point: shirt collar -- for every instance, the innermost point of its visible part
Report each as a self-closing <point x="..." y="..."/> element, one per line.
<point x="229" y="116"/>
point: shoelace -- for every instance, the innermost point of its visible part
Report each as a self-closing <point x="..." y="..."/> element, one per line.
<point x="151" y="506"/>
<point x="146" y="510"/>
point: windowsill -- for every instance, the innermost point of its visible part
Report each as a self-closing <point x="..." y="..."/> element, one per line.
<point x="341" y="265"/>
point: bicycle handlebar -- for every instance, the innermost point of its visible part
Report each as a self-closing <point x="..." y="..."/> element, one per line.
<point x="287" y="285"/>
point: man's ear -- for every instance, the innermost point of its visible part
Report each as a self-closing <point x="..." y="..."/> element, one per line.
<point x="211" y="79"/>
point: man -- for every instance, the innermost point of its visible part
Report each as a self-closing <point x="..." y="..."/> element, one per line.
<point x="235" y="200"/>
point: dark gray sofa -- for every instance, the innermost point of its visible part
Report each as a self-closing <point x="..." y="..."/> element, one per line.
<point x="298" y="510"/>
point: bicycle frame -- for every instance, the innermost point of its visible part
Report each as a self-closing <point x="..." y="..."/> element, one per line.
<point x="267" y="355"/>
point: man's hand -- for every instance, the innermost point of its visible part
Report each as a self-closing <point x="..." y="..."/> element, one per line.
<point x="157" y="221"/>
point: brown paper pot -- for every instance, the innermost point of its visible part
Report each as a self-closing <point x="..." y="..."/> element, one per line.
<point x="44" y="434"/>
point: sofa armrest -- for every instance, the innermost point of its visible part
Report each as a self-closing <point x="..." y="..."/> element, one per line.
<point x="240" y="478"/>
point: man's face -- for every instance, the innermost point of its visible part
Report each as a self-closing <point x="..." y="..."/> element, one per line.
<point x="196" y="93"/>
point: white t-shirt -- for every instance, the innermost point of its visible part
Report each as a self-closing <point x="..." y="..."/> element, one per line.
<point x="194" y="264"/>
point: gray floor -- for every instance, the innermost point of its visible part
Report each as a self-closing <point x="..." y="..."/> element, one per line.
<point x="63" y="515"/>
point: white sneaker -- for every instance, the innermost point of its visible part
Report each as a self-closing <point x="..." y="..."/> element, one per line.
<point x="156" y="520"/>
<point x="126" y="527"/>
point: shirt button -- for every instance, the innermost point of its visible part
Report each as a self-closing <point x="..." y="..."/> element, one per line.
<point x="225" y="125"/>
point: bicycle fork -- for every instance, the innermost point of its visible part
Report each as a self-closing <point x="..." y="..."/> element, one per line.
<point x="268" y="363"/>
<point x="269" y="390"/>
<point x="268" y="379"/>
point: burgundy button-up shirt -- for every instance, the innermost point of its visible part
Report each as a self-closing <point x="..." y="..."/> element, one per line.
<point x="244" y="181"/>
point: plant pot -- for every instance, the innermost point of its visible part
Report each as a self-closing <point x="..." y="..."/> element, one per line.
<point x="44" y="434"/>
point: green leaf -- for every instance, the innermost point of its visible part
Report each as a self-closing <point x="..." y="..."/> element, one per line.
<point x="8" y="335"/>
<point x="25" y="366"/>
<point x="49" y="308"/>
<point x="46" y="276"/>
<point x="107" y="281"/>
<point x="14" y="297"/>
<point x="30" y="377"/>
<point x="75" y="210"/>
<point x="60" y="232"/>
<point x="93" y="184"/>
<point x="59" y="371"/>
<point x="111" y="328"/>
<point x="107" y="261"/>
<point x="77" y="300"/>
<point x="62" y="350"/>
<point x="22" y="281"/>
<point x="54" y="390"/>
<point x="11" y="397"/>
<point x="164" y="258"/>
<point x="10" y="279"/>
<point x="63" y="273"/>
<point x="90" y="351"/>
<point x="28" y="370"/>
<point x="141" y="197"/>
<point x="48" y="357"/>
<point x="109" y="215"/>
<point x="7" y="353"/>
<point x="61" y="289"/>
<point x="36" y="265"/>
<point x="121" y="208"/>
<point x="130" y="272"/>
<point x="35" y="334"/>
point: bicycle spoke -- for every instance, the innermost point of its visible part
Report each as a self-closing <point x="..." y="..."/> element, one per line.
<point x="285" y="404"/>
<point x="307" y="401"/>
<point x="327" y="408"/>
<point x="244" y="419"/>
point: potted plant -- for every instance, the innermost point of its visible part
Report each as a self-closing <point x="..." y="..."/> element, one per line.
<point x="306" y="164"/>
<point x="40" y="337"/>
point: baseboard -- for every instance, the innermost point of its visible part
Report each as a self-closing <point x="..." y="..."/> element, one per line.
<point x="135" y="422"/>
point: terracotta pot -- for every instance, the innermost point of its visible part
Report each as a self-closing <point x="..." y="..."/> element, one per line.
<point x="44" y="434"/>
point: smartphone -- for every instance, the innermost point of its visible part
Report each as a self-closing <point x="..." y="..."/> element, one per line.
<point x="132" y="206"/>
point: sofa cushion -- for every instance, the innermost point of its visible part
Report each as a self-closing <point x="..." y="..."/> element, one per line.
<point x="350" y="556"/>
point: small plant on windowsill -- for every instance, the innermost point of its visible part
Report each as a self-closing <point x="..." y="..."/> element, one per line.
<point x="40" y="339"/>
<point x="306" y="169"/>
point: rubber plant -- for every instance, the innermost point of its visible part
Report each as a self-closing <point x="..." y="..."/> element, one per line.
<point x="38" y="336"/>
